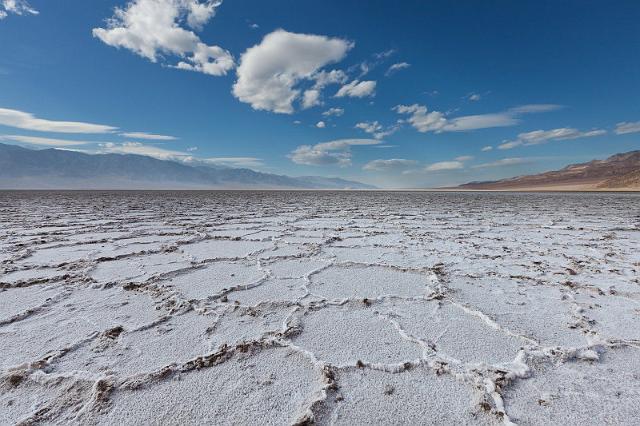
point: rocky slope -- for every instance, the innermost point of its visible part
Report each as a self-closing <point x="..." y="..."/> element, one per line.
<point x="619" y="172"/>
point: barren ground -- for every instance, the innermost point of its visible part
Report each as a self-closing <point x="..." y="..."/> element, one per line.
<point x="334" y="308"/>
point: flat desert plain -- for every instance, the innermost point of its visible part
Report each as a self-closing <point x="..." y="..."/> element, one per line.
<point x="319" y="307"/>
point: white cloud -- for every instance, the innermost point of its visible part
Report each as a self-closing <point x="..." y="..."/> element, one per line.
<point x="534" y="108"/>
<point x="502" y="163"/>
<point x="376" y="129"/>
<point x="321" y="125"/>
<point x="337" y="112"/>
<point x="357" y="89"/>
<point x="248" y="162"/>
<point x="389" y="165"/>
<point x="336" y="152"/>
<point x="325" y="78"/>
<point x="310" y="98"/>
<point x="155" y="28"/>
<point x="438" y="122"/>
<point x="474" y="97"/>
<point x="464" y="158"/>
<point x="396" y="67"/>
<point x="142" y="149"/>
<point x="627" y="127"/>
<point x="147" y="136"/>
<point x="33" y="140"/>
<point x="369" y="126"/>
<point x="269" y="72"/>
<point x="445" y="165"/>
<point x="18" y="7"/>
<point x="486" y="148"/>
<point x="538" y="137"/>
<point x="25" y="120"/>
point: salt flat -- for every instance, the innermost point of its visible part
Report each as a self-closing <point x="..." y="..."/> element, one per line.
<point x="319" y="307"/>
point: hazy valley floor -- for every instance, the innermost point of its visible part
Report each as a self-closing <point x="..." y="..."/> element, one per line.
<point x="333" y="308"/>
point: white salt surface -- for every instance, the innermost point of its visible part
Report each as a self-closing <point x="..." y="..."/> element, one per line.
<point x="328" y="308"/>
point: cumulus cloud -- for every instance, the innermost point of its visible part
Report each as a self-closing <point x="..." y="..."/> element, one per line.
<point x="392" y="164"/>
<point x="270" y="72"/>
<point x="337" y="112"/>
<point x="486" y="148"/>
<point x="27" y="121"/>
<point x="444" y="165"/>
<point x="321" y="125"/>
<point x="33" y="140"/>
<point x="376" y="129"/>
<point x="17" y="7"/>
<point x="154" y="29"/>
<point x="502" y="163"/>
<point x="310" y="98"/>
<point x="357" y="89"/>
<point x="396" y="67"/>
<point x="147" y="136"/>
<point x="435" y="121"/>
<point x="336" y="152"/>
<point x="538" y="137"/>
<point x="627" y="127"/>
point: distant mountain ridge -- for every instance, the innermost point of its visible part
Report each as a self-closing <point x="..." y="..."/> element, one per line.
<point x="22" y="168"/>
<point x="618" y="172"/>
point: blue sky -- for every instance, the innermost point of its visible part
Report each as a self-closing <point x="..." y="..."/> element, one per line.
<point x="398" y="94"/>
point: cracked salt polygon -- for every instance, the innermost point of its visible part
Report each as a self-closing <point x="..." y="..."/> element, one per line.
<point x="175" y="341"/>
<point x="579" y="392"/>
<point x="416" y="396"/>
<point x="295" y="268"/>
<point x="223" y="249"/>
<point x="356" y="281"/>
<point x="21" y="300"/>
<point x="342" y="335"/>
<point x="455" y="333"/>
<point x="270" y="290"/>
<point x="238" y="324"/>
<point x="215" y="278"/>
<point x="272" y="386"/>
<point x="139" y="268"/>
<point x="72" y="320"/>
<point x="537" y="312"/>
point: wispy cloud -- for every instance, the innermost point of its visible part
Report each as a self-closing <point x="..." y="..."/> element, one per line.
<point x="396" y="67"/>
<point x="393" y="164"/>
<point x="27" y="121"/>
<point x="147" y="136"/>
<point x="627" y="127"/>
<point x="357" y="89"/>
<point x="33" y="140"/>
<point x="336" y="152"/>
<point x="502" y="163"/>
<point x="248" y="162"/>
<point x="16" y="7"/>
<point x="435" y="121"/>
<point x="142" y="149"/>
<point x="444" y="165"/>
<point x="538" y="137"/>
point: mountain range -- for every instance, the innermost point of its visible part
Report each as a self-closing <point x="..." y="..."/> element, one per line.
<point x="618" y="172"/>
<point x="22" y="168"/>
